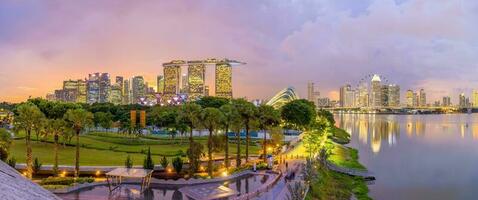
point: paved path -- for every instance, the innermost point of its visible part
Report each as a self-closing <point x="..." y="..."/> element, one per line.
<point x="349" y="171"/>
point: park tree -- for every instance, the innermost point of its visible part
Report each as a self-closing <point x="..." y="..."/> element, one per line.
<point x="211" y="120"/>
<point x="56" y="128"/>
<point x="165" y="117"/>
<point x="103" y="119"/>
<point x="247" y="112"/>
<point x="28" y="115"/>
<point x="298" y="113"/>
<point x="267" y="117"/>
<point x="212" y="102"/>
<point x="78" y="119"/>
<point x="194" y="153"/>
<point x="231" y="119"/>
<point x="5" y="143"/>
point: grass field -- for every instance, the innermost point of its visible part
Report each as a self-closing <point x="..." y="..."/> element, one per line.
<point x="112" y="149"/>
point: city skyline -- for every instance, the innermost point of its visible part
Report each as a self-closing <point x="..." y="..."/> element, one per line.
<point x="310" y="42"/>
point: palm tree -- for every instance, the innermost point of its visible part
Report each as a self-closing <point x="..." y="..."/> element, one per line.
<point x="211" y="119"/>
<point x="247" y="111"/>
<point x="28" y="115"/>
<point x="268" y="117"/>
<point x="79" y="119"/>
<point x="231" y="119"/>
<point x="189" y="114"/>
<point x="56" y="127"/>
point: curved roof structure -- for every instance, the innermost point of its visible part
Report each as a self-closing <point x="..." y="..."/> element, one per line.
<point x="284" y="96"/>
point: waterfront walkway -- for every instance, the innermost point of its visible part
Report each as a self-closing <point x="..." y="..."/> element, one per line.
<point x="350" y="171"/>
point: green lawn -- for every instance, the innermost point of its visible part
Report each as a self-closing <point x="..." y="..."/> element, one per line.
<point x="345" y="157"/>
<point x="112" y="149"/>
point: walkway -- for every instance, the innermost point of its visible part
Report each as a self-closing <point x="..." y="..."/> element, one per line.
<point x="349" y="171"/>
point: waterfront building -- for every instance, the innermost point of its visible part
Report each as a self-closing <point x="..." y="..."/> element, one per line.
<point x="363" y="99"/>
<point x="349" y="99"/>
<point x="195" y="80"/>
<point x="385" y="95"/>
<point x="342" y="94"/>
<point x="416" y="100"/>
<point x="312" y="93"/>
<point x="423" y="98"/>
<point x="160" y="84"/>
<point x="184" y="84"/>
<point x="446" y="101"/>
<point x="104" y="87"/>
<point x="93" y="88"/>
<point x="437" y="103"/>
<point x="410" y="98"/>
<point x="323" y="102"/>
<point x="138" y="89"/>
<point x="376" y="91"/>
<point x="474" y="99"/>
<point x="393" y="95"/>
<point x="462" y="100"/>
<point x="172" y="73"/>
<point x="223" y="80"/>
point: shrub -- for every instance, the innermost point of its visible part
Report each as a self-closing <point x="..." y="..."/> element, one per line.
<point x="12" y="162"/>
<point x="36" y="166"/>
<point x="65" y="180"/>
<point x="128" y="163"/>
<point x="148" y="161"/>
<point x="164" y="162"/>
<point x="178" y="164"/>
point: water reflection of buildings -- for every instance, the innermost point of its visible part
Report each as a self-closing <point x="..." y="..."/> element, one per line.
<point x="373" y="128"/>
<point x="415" y="126"/>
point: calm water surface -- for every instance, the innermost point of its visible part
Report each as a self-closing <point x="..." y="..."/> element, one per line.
<point x="417" y="156"/>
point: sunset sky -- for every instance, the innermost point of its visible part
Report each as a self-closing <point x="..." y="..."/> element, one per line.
<point x="431" y="44"/>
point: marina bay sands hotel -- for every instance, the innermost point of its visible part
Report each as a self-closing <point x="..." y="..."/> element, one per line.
<point x="196" y="77"/>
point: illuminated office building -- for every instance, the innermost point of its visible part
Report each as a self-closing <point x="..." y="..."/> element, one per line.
<point x="393" y="95"/>
<point x="184" y="84"/>
<point x="120" y="81"/>
<point x="116" y="94"/>
<point x="376" y="91"/>
<point x="138" y="89"/>
<point x="93" y="88"/>
<point x="363" y="95"/>
<point x="474" y="98"/>
<point x="384" y="95"/>
<point x="196" y="80"/>
<point x="312" y="93"/>
<point x="104" y="87"/>
<point x="462" y="100"/>
<point x="172" y="72"/>
<point x="410" y="97"/>
<point x="423" y="98"/>
<point x="79" y="86"/>
<point x="126" y="92"/>
<point x="342" y="94"/>
<point x="446" y="101"/>
<point x="224" y="80"/>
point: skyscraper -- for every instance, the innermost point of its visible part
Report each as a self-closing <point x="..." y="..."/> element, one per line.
<point x="312" y="94"/>
<point x="93" y="88"/>
<point x="196" y="79"/>
<point x="376" y="91"/>
<point x="223" y="80"/>
<point x="410" y="98"/>
<point x="393" y="95"/>
<point x="349" y="98"/>
<point x="184" y="84"/>
<point x="423" y="98"/>
<point x="79" y="88"/>
<point x="342" y="94"/>
<point x="172" y="72"/>
<point x="126" y="92"/>
<point x="474" y="99"/>
<point x="446" y="101"/>
<point x="462" y="100"/>
<point x="363" y="95"/>
<point x="115" y="95"/>
<point x="385" y="95"/>
<point x="160" y="84"/>
<point x="104" y="87"/>
<point x="138" y="89"/>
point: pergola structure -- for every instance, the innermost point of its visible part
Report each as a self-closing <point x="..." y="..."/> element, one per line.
<point x="116" y="176"/>
<point x="208" y="192"/>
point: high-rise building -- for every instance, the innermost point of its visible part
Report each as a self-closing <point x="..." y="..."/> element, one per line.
<point x="50" y="97"/>
<point x="66" y="95"/>
<point x="423" y="98"/>
<point x="462" y="100"/>
<point x="79" y="86"/>
<point x="160" y="84"/>
<point x="323" y="102"/>
<point x="120" y="81"/>
<point x="474" y="99"/>
<point x="376" y="91"/>
<point x="349" y="98"/>
<point x="312" y="93"/>
<point x="206" y="90"/>
<point x="116" y="95"/>
<point x="195" y="80"/>
<point x="172" y="72"/>
<point x="410" y="98"/>
<point x="126" y="92"/>
<point x="385" y="95"/>
<point x="93" y="88"/>
<point x="138" y="88"/>
<point x="342" y="94"/>
<point x="104" y="86"/>
<point x="446" y="101"/>
<point x="223" y="80"/>
<point x="416" y="100"/>
<point x="363" y="95"/>
<point x="184" y="84"/>
<point x="393" y="95"/>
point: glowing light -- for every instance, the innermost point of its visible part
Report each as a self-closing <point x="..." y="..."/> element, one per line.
<point x="24" y="173"/>
<point x="201" y="168"/>
<point x="224" y="173"/>
<point x="169" y="170"/>
<point x="98" y="173"/>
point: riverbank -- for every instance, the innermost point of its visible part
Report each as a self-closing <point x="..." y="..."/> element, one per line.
<point x="332" y="185"/>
